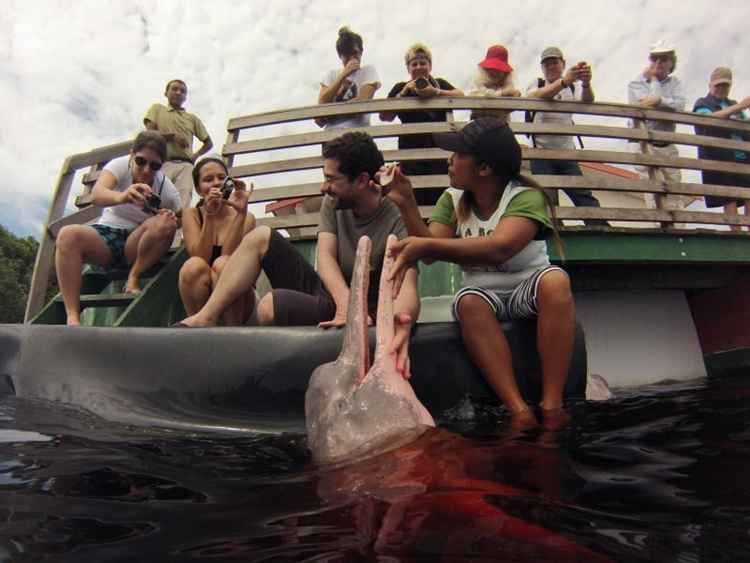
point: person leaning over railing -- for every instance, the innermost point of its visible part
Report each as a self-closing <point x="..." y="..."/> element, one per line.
<point x="301" y="296"/>
<point x="212" y="231"/>
<point x="423" y="85"/>
<point x="135" y="229"/>
<point x="658" y="88"/>
<point x="718" y="104"/>
<point x="564" y="85"/>
<point x="493" y="223"/>
<point x="354" y="82"/>
<point x="178" y="127"/>
<point x="494" y="79"/>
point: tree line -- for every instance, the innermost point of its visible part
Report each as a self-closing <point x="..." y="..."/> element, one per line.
<point x="17" y="256"/>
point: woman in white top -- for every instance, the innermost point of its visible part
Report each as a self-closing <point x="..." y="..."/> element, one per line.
<point x="354" y="82"/>
<point x="135" y="229"/>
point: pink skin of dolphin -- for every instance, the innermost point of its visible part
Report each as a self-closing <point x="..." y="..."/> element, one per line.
<point x="351" y="407"/>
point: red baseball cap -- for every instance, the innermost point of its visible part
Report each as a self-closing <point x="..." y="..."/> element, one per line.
<point x="497" y="58"/>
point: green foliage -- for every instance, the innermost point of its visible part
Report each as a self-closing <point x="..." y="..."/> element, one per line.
<point x="17" y="256"/>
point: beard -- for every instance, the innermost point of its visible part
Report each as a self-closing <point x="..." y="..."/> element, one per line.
<point x="342" y="204"/>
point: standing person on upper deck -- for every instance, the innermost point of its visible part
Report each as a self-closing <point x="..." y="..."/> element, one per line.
<point x="418" y="59"/>
<point x="718" y="104"/>
<point x="658" y="88"/>
<point x="354" y="82"/>
<point x="494" y="79"/>
<point x="564" y="85"/>
<point x="178" y="127"/>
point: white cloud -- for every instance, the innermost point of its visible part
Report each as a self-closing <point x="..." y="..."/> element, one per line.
<point x="77" y="75"/>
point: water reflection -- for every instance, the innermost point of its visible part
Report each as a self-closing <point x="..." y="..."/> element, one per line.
<point x="657" y="474"/>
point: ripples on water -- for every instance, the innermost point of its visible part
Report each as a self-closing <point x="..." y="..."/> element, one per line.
<point x="656" y="474"/>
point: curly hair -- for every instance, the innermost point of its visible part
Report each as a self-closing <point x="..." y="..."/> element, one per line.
<point x="348" y="42"/>
<point x="355" y="152"/>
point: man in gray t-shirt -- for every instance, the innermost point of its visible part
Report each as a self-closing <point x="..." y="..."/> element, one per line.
<point x="352" y="207"/>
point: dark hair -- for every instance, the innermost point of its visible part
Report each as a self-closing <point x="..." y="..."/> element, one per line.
<point x="467" y="201"/>
<point x="166" y="89"/>
<point x="202" y="162"/>
<point x="151" y="140"/>
<point x="356" y="153"/>
<point x="348" y="42"/>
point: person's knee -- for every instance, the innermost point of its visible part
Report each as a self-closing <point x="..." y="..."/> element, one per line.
<point x="69" y="238"/>
<point x="162" y="227"/>
<point x="471" y="307"/>
<point x="196" y="270"/>
<point x="218" y="266"/>
<point x="554" y="291"/>
<point x="259" y="239"/>
<point x="264" y="310"/>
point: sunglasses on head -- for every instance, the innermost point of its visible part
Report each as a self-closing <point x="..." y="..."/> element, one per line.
<point x="152" y="164"/>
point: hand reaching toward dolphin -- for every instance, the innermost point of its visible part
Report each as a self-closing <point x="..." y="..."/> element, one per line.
<point x="406" y="253"/>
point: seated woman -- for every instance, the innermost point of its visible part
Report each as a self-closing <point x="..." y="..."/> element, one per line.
<point x="135" y="229"/>
<point x="492" y="222"/>
<point x="418" y="60"/>
<point x="212" y="231"/>
<point x="494" y="79"/>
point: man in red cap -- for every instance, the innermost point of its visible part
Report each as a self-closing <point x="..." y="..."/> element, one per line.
<point x="567" y="85"/>
<point x="718" y="104"/>
<point x="494" y="79"/>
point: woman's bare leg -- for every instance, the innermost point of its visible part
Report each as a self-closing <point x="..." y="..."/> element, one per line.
<point x="195" y="284"/>
<point x="238" y="312"/>
<point x="555" y="339"/>
<point x="488" y="349"/>
<point x="75" y="245"/>
<point x="146" y="245"/>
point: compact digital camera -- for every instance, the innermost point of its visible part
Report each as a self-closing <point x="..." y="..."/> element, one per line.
<point x="152" y="204"/>
<point x="227" y="188"/>
<point x="421" y="83"/>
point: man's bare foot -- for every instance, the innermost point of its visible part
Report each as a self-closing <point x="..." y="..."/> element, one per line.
<point x="555" y="419"/>
<point x="523" y="420"/>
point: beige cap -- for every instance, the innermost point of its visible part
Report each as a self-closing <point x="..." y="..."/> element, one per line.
<point x="721" y="75"/>
<point x="550" y="53"/>
<point x="662" y="47"/>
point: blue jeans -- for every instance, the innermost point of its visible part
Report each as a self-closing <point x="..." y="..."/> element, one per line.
<point x="580" y="198"/>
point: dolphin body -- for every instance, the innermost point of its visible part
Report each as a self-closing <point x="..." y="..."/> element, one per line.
<point x="351" y="407"/>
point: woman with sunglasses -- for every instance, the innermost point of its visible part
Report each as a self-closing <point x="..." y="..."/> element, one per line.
<point x="135" y="229"/>
<point x="212" y="231"/>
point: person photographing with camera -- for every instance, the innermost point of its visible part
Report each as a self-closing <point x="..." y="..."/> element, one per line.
<point x="422" y="84"/>
<point x="212" y="231"/>
<point x="135" y="229"/>
<point x="563" y="85"/>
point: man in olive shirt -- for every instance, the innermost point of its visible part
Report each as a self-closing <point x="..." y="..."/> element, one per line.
<point x="178" y="127"/>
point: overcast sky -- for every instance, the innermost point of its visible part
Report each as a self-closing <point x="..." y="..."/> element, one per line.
<point x="78" y="75"/>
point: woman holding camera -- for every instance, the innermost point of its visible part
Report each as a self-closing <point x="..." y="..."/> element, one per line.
<point x="135" y="229"/>
<point x="418" y="60"/>
<point x="212" y="231"/>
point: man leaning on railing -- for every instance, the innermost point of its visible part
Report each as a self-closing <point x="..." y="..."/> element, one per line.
<point x="658" y="88"/>
<point x="718" y="104"/>
<point x="564" y="85"/>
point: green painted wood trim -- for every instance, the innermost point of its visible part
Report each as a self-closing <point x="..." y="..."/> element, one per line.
<point x="652" y="248"/>
<point x="154" y="304"/>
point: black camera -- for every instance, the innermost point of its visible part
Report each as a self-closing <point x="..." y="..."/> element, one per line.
<point x="152" y="204"/>
<point x="421" y="83"/>
<point x="227" y="188"/>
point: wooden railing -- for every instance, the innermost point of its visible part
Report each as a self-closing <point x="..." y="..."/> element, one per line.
<point x="240" y="142"/>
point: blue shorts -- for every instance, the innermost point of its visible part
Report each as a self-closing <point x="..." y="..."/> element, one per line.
<point x="520" y="303"/>
<point x="115" y="240"/>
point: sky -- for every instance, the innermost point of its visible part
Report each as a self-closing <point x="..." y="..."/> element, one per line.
<point x="76" y="75"/>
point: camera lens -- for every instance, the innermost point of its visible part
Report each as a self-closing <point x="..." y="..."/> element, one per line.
<point x="421" y="83"/>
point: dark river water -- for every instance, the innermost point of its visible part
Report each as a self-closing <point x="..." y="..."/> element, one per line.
<point x="657" y="474"/>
